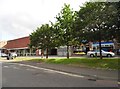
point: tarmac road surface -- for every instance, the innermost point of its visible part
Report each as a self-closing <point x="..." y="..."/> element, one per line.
<point x="18" y="75"/>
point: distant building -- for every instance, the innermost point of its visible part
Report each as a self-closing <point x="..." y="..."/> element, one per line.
<point x="62" y="51"/>
<point x="20" y="46"/>
<point x="106" y="46"/>
<point x="2" y="44"/>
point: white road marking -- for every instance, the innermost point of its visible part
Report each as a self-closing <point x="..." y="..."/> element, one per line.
<point x="5" y="66"/>
<point x="15" y="67"/>
<point x="118" y="82"/>
<point x="49" y="71"/>
<point x="30" y="69"/>
<point x="46" y="69"/>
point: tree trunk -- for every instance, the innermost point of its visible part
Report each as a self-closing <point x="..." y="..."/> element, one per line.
<point x="67" y="51"/>
<point x="42" y="53"/>
<point x="115" y="45"/>
<point x="47" y="53"/>
<point x="100" y="46"/>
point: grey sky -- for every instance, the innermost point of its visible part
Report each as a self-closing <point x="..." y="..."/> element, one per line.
<point x="18" y="18"/>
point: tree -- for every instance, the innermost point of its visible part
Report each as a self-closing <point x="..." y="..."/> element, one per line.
<point x="44" y="38"/>
<point x="64" y="23"/>
<point x="96" y="21"/>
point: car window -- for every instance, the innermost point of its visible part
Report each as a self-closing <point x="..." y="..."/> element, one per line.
<point x="97" y="51"/>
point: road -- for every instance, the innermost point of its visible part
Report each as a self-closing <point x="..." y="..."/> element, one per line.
<point x="17" y="75"/>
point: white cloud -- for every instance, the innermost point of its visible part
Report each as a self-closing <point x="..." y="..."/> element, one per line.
<point x="19" y="18"/>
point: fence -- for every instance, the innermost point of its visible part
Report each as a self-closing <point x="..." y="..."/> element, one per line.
<point x="26" y="54"/>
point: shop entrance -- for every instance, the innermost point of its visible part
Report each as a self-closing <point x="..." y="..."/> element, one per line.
<point x="53" y="52"/>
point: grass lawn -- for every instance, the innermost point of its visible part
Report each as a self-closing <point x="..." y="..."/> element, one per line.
<point x="105" y="63"/>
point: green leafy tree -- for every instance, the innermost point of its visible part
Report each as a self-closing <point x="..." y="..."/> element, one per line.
<point x="96" y="21"/>
<point x="64" y="24"/>
<point x="44" y="38"/>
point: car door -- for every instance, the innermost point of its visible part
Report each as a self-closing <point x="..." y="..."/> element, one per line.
<point x="98" y="53"/>
<point x="104" y="53"/>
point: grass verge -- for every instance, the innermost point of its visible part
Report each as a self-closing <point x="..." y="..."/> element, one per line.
<point x="105" y="63"/>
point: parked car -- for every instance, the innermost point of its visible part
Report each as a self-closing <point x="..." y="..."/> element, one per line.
<point x="3" y="55"/>
<point x="11" y="55"/>
<point x="14" y="54"/>
<point x="97" y="53"/>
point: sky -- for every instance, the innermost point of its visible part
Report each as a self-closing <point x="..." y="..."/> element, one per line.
<point x="18" y="18"/>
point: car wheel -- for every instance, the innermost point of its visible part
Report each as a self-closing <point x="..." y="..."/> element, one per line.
<point x="91" y="55"/>
<point x="8" y="58"/>
<point x="109" y="55"/>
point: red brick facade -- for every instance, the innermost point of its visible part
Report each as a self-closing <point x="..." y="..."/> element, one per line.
<point x="18" y="43"/>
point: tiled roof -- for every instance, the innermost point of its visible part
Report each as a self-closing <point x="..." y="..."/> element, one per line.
<point x="18" y="43"/>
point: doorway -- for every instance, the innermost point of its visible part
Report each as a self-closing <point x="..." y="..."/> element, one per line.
<point x="53" y="52"/>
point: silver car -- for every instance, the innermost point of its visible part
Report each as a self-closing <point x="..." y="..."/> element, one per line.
<point x="3" y="55"/>
<point x="97" y="53"/>
<point x="13" y="54"/>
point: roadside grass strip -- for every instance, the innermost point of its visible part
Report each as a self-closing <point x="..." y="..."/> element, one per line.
<point x="105" y="63"/>
<point x="84" y="62"/>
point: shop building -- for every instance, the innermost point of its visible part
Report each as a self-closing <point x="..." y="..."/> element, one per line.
<point x="2" y="44"/>
<point x="20" y="46"/>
